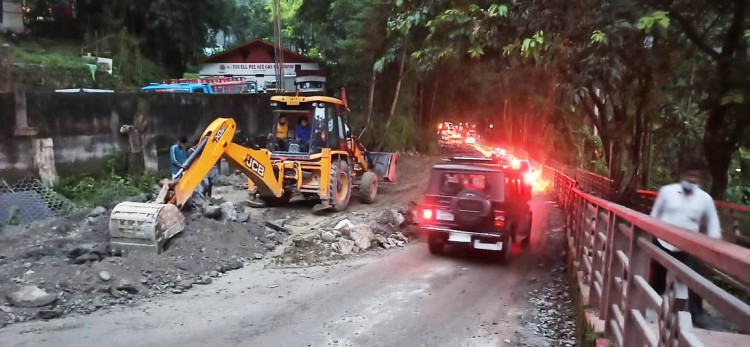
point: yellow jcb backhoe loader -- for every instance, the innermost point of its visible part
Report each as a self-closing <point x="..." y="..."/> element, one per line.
<point x="324" y="166"/>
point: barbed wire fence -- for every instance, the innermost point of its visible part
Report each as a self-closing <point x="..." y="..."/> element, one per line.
<point x="28" y="200"/>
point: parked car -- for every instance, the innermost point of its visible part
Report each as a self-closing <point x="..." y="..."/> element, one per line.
<point x="476" y="202"/>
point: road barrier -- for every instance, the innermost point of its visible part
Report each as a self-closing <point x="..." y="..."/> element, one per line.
<point x="611" y="248"/>
<point x="735" y="219"/>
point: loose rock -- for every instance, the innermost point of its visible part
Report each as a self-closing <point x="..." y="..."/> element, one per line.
<point x="83" y="258"/>
<point x="228" y="211"/>
<point x="362" y="236"/>
<point x="31" y="296"/>
<point x="212" y="211"/>
<point x="382" y="241"/>
<point x="125" y="285"/>
<point x="49" y="314"/>
<point x="344" y="226"/>
<point x="327" y="236"/>
<point x="242" y="217"/>
<point x="105" y="276"/>
<point x="346" y="246"/>
<point x="98" y="211"/>
<point x="234" y="265"/>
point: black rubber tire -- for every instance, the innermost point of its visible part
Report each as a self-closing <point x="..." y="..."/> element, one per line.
<point x="338" y="201"/>
<point x="368" y="188"/>
<point x="436" y="246"/>
<point x="506" y="255"/>
<point x="527" y="239"/>
<point x="272" y="201"/>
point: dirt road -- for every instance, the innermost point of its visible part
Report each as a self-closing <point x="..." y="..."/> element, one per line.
<point x="402" y="297"/>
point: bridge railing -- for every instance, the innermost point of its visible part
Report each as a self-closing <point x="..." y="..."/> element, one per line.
<point x="735" y="219"/>
<point x="612" y="247"/>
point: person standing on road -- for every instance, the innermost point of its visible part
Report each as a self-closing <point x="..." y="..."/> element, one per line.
<point x="177" y="156"/>
<point x="685" y="205"/>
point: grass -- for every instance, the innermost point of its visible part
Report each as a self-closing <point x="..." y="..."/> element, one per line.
<point x="63" y="65"/>
<point x="89" y="191"/>
<point x="63" y="60"/>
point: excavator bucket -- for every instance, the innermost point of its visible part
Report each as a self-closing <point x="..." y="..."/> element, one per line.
<point x="383" y="165"/>
<point x="135" y="225"/>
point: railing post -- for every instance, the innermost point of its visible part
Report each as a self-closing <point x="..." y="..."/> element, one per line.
<point x="614" y="269"/>
<point x="639" y="262"/>
<point x="580" y="230"/>
<point x="673" y="304"/>
<point x="598" y="249"/>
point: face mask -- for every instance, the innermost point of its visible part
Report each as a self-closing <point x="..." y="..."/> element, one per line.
<point x="688" y="186"/>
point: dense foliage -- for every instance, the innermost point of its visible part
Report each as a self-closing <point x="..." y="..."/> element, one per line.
<point x="624" y="87"/>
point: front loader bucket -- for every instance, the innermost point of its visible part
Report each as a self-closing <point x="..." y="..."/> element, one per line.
<point x="134" y="225"/>
<point x="383" y="165"/>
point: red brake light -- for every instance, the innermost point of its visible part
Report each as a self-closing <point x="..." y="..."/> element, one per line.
<point x="499" y="219"/>
<point x="427" y="214"/>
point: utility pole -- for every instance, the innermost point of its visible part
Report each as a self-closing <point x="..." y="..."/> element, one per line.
<point x="278" y="48"/>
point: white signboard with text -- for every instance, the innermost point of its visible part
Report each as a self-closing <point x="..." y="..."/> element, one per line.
<point x="251" y="69"/>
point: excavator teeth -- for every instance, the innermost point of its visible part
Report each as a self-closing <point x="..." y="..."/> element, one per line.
<point x="134" y="225"/>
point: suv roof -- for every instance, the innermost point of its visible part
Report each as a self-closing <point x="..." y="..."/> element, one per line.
<point x="476" y="164"/>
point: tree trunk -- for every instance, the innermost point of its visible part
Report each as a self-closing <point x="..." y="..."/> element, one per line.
<point x="434" y="95"/>
<point x="370" y="100"/>
<point x="397" y="93"/>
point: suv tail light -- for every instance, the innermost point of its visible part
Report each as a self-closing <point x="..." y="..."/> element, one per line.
<point x="499" y="219"/>
<point x="427" y="213"/>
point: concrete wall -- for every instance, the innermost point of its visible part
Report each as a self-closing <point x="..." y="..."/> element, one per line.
<point x="12" y="17"/>
<point x="85" y="128"/>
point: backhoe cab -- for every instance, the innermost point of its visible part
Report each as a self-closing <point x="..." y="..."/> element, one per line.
<point x="333" y="163"/>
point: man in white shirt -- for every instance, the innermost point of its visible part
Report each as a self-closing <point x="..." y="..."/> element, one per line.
<point x="685" y="205"/>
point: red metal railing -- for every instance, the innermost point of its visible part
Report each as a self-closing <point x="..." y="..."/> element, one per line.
<point x="611" y="248"/>
<point x="735" y="219"/>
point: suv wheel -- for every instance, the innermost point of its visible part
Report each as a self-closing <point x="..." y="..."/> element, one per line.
<point x="506" y="254"/>
<point x="436" y="245"/>
<point x="527" y="239"/>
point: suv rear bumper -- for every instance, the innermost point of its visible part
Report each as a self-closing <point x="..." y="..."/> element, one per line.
<point x="496" y="236"/>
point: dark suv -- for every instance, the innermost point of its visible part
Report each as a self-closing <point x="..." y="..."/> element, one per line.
<point x="477" y="202"/>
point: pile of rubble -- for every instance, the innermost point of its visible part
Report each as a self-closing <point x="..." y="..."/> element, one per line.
<point x="391" y="228"/>
<point x="65" y="265"/>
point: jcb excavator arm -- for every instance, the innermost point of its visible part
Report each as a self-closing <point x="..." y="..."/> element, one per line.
<point x="215" y="143"/>
<point x="150" y="225"/>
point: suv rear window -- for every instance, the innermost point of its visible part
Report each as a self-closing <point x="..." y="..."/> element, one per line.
<point x="450" y="183"/>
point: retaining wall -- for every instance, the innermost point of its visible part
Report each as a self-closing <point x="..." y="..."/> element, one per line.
<point x="85" y="127"/>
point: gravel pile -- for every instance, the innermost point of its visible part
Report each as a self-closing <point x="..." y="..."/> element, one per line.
<point x="391" y="228"/>
<point x="554" y="316"/>
<point x="65" y="266"/>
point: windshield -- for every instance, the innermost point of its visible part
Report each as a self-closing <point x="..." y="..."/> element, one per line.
<point x="305" y="129"/>
<point x="449" y="183"/>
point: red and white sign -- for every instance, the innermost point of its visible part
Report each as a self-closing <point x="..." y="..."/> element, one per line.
<point x="240" y="69"/>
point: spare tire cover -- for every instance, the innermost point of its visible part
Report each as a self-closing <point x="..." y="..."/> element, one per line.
<point x="470" y="206"/>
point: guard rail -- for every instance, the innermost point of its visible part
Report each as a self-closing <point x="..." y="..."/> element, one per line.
<point x="611" y="248"/>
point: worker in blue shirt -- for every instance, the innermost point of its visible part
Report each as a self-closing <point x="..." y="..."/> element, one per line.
<point x="177" y="156"/>
<point x="303" y="132"/>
